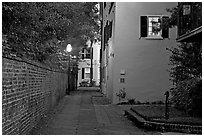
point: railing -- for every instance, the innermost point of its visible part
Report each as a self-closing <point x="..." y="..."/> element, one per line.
<point x="189" y="16"/>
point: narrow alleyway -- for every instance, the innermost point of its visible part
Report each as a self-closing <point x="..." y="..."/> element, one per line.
<point x="81" y="115"/>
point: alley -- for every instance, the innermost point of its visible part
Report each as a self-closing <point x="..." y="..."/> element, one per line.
<point x="145" y="56"/>
<point x="82" y="115"/>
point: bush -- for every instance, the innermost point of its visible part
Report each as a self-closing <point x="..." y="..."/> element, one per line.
<point x="160" y="102"/>
<point x="187" y="96"/>
<point x="131" y="101"/>
<point x="93" y="83"/>
<point x="138" y="103"/>
<point x="147" y="103"/>
<point x="157" y="102"/>
<point x="84" y="83"/>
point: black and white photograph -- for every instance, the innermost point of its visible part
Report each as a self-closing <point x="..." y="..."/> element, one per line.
<point x="101" y="67"/>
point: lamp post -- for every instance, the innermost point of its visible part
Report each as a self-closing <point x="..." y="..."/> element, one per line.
<point x="69" y="49"/>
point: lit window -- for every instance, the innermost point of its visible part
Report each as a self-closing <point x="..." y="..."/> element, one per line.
<point x="151" y="27"/>
<point x="87" y="72"/>
<point x="154" y="27"/>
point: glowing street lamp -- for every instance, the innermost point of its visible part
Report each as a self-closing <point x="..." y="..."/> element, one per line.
<point x="69" y="49"/>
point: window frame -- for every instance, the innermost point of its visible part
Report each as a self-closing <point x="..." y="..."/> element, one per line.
<point x="151" y="26"/>
<point x="85" y="54"/>
<point x="87" y="71"/>
<point x="151" y="37"/>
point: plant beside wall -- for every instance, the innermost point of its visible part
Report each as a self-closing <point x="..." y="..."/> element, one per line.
<point x="186" y="74"/>
<point x="186" y="69"/>
<point x="187" y="96"/>
<point x="84" y="83"/>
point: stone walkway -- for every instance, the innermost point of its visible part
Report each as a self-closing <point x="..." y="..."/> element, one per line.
<point x="85" y="113"/>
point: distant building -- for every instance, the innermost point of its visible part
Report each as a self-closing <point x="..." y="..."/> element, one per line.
<point x="189" y="22"/>
<point x="134" y="58"/>
<point x="85" y="64"/>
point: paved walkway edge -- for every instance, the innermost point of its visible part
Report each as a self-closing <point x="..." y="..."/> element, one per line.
<point x="141" y="122"/>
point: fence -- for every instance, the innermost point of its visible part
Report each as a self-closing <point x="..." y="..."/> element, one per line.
<point x="29" y="90"/>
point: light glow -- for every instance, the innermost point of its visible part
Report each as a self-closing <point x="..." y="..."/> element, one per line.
<point x="69" y="48"/>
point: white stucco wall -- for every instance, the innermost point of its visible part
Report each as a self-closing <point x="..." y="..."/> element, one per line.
<point x="86" y="63"/>
<point x="144" y="61"/>
<point x="96" y="63"/>
<point x="107" y="56"/>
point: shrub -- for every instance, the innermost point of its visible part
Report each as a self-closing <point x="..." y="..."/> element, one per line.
<point x="84" y="83"/>
<point x="160" y="102"/>
<point x="138" y="102"/>
<point x="131" y="101"/>
<point x="93" y="83"/>
<point x="147" y="103"/>
<point x="187" y="96"/>
<point x="157" y="102"/>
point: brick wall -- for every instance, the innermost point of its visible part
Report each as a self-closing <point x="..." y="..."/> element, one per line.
<point x="29" y="90"/>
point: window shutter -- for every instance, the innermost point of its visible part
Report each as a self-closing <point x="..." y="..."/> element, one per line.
<point x="143" y="26"/>
<point x="108" y="31"/>
<point x="106" y="34"/>
<point x="100" y="60"/>
<point x="104" y="5"/>
<point x="82" y="53"/>
<point x="91" y="52"/>
<point x="165" y="30"/>
<point x="82" y="74"/>
<point x="111" y="25"/>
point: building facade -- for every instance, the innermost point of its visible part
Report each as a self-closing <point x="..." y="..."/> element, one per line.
<point x="134" y="59"/>
<point x="189" y="22"/>
<point x="84" y="65"/>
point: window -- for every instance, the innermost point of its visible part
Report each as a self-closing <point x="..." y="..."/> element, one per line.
<point x="154" y="27"/>
<point x="87" y="75"/>
<point x="151" y="27"/>
<point x="87" y="72"/>
<point x="112" y="3"/>
<point x="122" y="80"/>
<point x="186" y="9"/>
<point x="82" y="76"/>
<point x="85" y="54"/>
<point x="107" y="32"/>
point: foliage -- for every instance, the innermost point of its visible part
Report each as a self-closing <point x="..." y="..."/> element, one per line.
<point x="172" y="20"/>
<point x="187" y="95"/>
<point x="157" y="111"/>
<point x="122" y="93"/>
<point x="157" y="102"/>
<point x="84" y="83"/>
<point x="92" y="83"/>
<point x="41" y="30"/>
<point x="186" y="61"/>
<point x="186" y="73"/>
<point x="186" y="70"/>
<point x="131" y="101"/>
